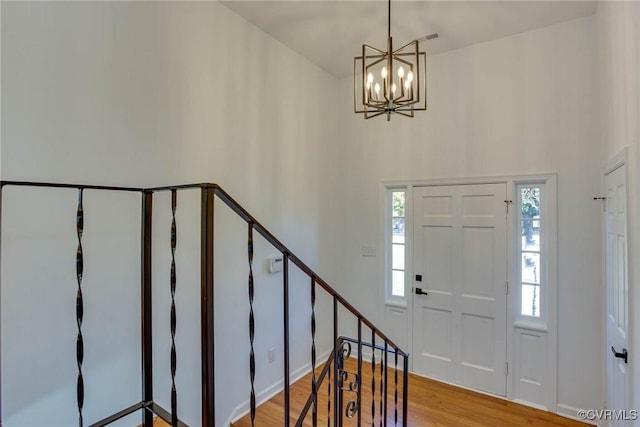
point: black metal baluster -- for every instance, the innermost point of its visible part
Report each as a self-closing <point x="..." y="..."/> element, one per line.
<point x="285" y="287"/>
<point x="373" y="377"/>
<point x="207" y="305"/>
<point x="174" y="393"/>
<point x="405" y="390"/>
<point x="337" y="411"/>
<point x="146" y="327"/>
<point x="252" y="357"/>
<point x="79" y="307"/>
<point x="386" y="378"/>
<point x="359" y="371"/>
<point x="341" y="377"/>
<point x="1" y="188"/>
<point x="329" y="397"/>
<point x="381" y="384"/>
<point x="395" y="398"/>
<point x="314" y="385"/>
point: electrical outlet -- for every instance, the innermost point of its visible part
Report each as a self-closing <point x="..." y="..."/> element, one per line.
<point x="272" y="355"/>
<point x="369" y="251"/>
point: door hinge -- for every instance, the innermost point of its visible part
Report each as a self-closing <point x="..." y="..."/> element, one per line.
<point x="508" y="202"/>
<point x="506" y="369"/>
<point x="603" y="200"/>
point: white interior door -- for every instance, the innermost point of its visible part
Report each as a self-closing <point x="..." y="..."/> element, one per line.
<point x="617" y="338"/>
<point x="460" y="250"/>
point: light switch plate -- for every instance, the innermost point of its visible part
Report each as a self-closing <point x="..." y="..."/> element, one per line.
<point x="369" y="251"/>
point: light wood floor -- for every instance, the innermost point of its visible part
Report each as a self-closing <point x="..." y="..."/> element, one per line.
<point x="431" y="403"/>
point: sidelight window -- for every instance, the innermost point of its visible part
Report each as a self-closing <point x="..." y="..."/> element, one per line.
<point x="531" y="256"/>
<point x="397" y="242"/>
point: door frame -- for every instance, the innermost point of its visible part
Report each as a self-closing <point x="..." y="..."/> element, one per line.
<point x="511" y="181"/>
<point x="617" y="161"/>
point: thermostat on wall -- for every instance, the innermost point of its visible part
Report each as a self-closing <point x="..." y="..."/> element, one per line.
<point x="274" y="264"/>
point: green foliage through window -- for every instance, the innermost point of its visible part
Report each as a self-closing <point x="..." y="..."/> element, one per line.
<point x="530" y="197"/>
<point x="398" y="203"/>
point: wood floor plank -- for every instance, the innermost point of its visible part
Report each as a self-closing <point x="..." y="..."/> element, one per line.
<point x="431" y="404"/>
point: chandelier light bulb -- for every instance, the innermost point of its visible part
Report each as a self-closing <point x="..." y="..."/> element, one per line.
<point x="393" y="88"/>
<point x="410" y="76"/>
<point x="369" y="78"/>
<point x="401" y="72"/>
<point x="407" y="83"/>
<point x="377" y="89"/>
<point x="383" y="73"/>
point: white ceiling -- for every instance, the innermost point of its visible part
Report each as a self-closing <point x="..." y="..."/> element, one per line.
<point x="331" y="32"/>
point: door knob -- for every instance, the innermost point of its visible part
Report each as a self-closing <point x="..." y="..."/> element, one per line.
<point x="624" y="355"/>
<point x="419" y="291"/>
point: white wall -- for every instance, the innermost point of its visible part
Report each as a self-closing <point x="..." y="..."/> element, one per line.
<point x="146" y="94"/>
<point x="524" y="104"/>
<point x="618" y="25"/>
<point x="160" y="93"/>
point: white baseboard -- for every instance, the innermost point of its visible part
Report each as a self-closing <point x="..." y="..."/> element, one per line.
<point x="572" y="412"/>
<point x="272" y="390"/>
<point x="531" y="404"/>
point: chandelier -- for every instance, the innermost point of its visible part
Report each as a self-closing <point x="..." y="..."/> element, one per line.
<point x="390" y="81"/>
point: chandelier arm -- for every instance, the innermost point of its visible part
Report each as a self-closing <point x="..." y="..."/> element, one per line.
<point x="407" y="63"/>
<point x="408" y="104"/>
<point x="404" y="114"/>
<point x="398" y="52"/>
<point x="422" y="108"/>
<point x="367" y="116"/>
<point x="379" y="60"/>
<point x="380" y="51"/>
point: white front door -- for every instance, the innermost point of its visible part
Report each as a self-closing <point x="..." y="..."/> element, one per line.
<point x="617" y="317"/>
<point x="459" y="299"/>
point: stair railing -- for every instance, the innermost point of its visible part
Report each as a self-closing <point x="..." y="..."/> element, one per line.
<point x="344" y="382"/>
<point x="351" y="387"/>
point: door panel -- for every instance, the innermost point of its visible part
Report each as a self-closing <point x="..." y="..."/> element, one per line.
<point x="438" y="258"/>
<point x="440" y="337"/>
<point x="616" y="289"/>
<point x="460" y="251"/>
<point x="476" y="263"/>
<point x="477" y="350"/>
